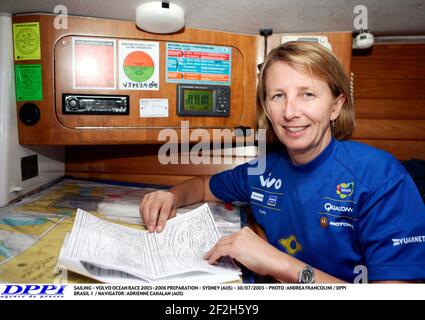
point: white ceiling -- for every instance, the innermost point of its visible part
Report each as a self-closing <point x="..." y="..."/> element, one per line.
<point x="385" y="17"/>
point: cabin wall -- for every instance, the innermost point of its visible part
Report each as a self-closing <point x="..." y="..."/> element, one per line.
<point x="96" y="69"/>
<point x="389" y="93"/>
<point x="22" y="168"/>
<point x="140" y="163"/>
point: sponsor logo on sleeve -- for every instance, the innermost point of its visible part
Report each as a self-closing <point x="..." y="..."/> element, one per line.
<point x="341" y="224"/>
<point x="345" y="190"/>
<point x="331" y="207"/>
<point x="338" y="212"/>
<point x="257" y="196"/>
<point x="408" y="240"/>
<point x="272" y="200"/>
<point x="270" y="182"/>
<point x="324" y="222"/>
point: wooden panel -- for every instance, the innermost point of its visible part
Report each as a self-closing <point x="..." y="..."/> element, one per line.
<point x="401" y="50"/>
<point x="51" y="131"/>
<point x="64" y="80"/>
<point x="393" y="67"/>
<point x="401" y="149"/>
<point x="341" y="46"/>
<point x="389" y="91"/>
<point x="164" y="180"/>
<point x="390" y="129"/>
<point x="135" y="163"/>
<point x="389" y="109"/>
<point x="389" y="88"/>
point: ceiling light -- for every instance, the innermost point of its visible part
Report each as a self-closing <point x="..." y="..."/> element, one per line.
<point x="159" y="17"/>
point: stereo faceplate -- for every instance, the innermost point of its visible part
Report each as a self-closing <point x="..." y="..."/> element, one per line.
<point x="85" y="104"/>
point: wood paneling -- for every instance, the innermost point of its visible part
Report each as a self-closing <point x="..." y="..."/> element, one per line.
<point x="163" y="180"/>
<point x="390" y="68"/>
<point x="390" y="109"/>
<point x="341" y="47"/>
<point x="141" y="164"/>
<point x="401" y="149"/>
<point x="379" y="88"/>
<point x="389" y="91"/>
<point x="56" y="129"/>
<point x="390" y="129"/>
<point x="64" y="80"/>
<point x="394" y="51"/>
<point x="117" y="160"/>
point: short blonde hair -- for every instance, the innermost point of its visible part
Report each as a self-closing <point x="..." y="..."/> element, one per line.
<point x="314" y="59"/>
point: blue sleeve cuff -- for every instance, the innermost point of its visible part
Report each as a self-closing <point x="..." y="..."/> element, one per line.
<point x="396" y="272"/>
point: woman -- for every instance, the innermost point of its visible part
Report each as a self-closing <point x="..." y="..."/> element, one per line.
<point x="329" y="208"/>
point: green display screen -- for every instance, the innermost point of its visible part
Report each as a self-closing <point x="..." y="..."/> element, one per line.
<point x="198" y="100"/>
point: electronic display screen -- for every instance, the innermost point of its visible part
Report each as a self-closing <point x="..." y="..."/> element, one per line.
<point x="198" y="100"/>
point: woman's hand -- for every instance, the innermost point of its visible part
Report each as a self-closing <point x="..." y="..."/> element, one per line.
<point x="247" y="248"/>
<point x="156" y="208"/>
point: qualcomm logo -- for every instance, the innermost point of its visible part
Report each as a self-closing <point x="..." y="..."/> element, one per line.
<point x="329" y="206"/>
<point x="269" y="182"/>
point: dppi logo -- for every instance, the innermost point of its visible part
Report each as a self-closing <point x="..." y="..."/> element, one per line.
<point x="33" y="290"/>
<point x="270" y="182"/>
<point x="345" y="190"/>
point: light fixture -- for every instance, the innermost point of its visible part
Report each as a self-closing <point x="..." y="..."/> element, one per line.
<point x="363" y="40"/>
<point x="159" y="17"/>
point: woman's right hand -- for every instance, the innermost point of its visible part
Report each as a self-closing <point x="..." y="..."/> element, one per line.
<point x="156" y="208"/>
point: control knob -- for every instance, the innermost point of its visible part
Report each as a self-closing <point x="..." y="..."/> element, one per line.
<point x="72" y="103"/>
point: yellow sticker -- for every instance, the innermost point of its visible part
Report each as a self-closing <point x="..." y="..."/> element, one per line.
<point x="26" y="41"/>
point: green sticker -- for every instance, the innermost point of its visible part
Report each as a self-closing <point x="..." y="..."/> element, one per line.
<point x="26" y="41"/>
<point x="28" y="82"/>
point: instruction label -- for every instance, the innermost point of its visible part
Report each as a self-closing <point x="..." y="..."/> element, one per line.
<point x="139" y="65"/>
<point x="28" y="82"/>
<point x="26" y="41"/>
<point x="197" y="63"/>
<point x="93" y="63"/>
<point x="153" y="108"/>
